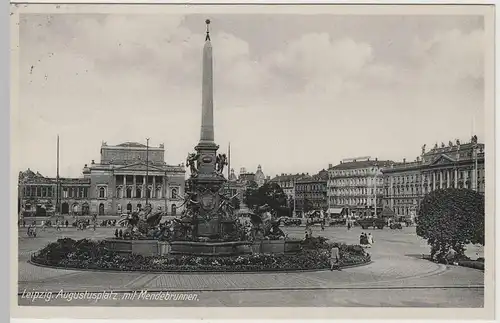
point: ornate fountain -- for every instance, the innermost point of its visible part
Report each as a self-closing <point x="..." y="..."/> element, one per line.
<point x="208" y="225"/>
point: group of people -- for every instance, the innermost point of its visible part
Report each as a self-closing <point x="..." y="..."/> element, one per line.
<point x="366" y="240"/>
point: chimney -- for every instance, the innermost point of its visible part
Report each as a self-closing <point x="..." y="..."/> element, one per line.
<point x="376" y="159"/>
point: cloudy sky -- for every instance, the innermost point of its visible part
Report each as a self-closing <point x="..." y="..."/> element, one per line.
<point x="292" y="92"/>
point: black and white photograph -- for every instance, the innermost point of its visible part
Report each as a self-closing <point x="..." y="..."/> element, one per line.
<point x="226" y="156"/>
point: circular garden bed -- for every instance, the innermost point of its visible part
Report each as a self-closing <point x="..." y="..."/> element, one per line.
<point x="93" y="255"/>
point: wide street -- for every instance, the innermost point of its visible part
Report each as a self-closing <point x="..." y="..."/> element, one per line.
<point x="397" y="277"/>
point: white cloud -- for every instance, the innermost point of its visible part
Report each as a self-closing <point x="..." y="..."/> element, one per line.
<point x="312" y="101"/>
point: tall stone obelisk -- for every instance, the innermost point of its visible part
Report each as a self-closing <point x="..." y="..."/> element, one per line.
<point x="207" y="101"/>
<point x="206" y="148"/>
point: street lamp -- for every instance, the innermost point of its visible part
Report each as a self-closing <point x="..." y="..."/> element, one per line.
<point x="147" y="170"/>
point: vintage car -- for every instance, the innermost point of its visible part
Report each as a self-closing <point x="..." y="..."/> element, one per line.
<point x="366" y="223"/>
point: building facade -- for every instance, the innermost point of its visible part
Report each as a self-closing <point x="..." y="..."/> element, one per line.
<point x="310" y="193"/>
<point x="356" y="186"/>
<point x="456" y="165"/>
<point x="125" y="177"/>
<point x="39" y="195"/>
<point x="287" y="182"/>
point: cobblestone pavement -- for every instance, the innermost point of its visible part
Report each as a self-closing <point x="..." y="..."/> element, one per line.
<point x="397" y="277"/>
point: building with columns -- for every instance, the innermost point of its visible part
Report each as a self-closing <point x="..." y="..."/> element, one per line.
<point x="122" y="180"/>
<point x="456" y="165"/>
<point x="355" y="186"/>
<point x="118" y="183"/>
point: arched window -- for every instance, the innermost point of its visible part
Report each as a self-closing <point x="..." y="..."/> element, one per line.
<point x="102" y="192"/>
<point x="138" y="192"/>
<point x="174" y="193"/>
<point x="119" y="192"/>
<point x="129" y="192"/>
<point x="158" y="192"/>
<point x="148" y="192"/>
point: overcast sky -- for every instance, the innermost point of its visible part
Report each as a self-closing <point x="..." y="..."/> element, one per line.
<point x="292" y="93"/>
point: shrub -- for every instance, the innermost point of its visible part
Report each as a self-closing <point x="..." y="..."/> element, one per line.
<point x="451" y="218"/>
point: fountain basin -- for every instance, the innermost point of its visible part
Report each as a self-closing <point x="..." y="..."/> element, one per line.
<point x="229" y="248"/>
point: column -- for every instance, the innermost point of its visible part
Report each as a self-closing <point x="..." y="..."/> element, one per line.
<point x="434" y="181"/>
<point x="124" y="185"/>
<point x="153" y="191"/>
<point x="456" y="178"/>
<point x="134" y="187"/>
<point x="144" y="186"/>
<point x="448" y="180"/>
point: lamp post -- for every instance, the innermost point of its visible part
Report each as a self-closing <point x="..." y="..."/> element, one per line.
<point x="375" y="189"/>
<point x="147" y="170"/>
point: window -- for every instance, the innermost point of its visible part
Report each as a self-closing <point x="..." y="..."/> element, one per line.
<point x="65" y="192"/>
<point x="102" y="192"/>
<point x="148" y="192"/>
<point x="119" y="192"/>
<point x="174" y="193"/>
<point x="129" y="192"/>
<point x="138" y="192"/>
<point x="158" y="192"/>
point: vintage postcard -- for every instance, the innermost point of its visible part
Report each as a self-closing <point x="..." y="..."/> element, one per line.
<point x="252" y="161"/>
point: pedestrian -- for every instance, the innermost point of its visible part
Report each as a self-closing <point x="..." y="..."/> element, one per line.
<point x="24" y="223"/>
<point x="308" y="232"/>
<point x="361" y="240"/>
<point x="450" y="257"/>
<point x="43" y="225"/>
<point x="369" y="240"/>
<point x="95" y="225"/>
<point x="58" y="225"/>
<point x="116" y="233"/>
<point x="67" y="223"/>
<point x="323" y="225"/>
<point x="120" y="233"/>
<point x="335" y="257"/>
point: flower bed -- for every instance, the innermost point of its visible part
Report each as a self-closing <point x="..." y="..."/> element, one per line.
<point x="89" y="254"/>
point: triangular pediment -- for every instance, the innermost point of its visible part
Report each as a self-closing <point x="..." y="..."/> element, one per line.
<point x="443" y="160"/>
<point x="139" y="167"/>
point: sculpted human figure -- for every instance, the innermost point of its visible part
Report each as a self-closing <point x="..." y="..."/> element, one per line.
<point x="191" y="162"/>
<point x="221" y="161"/>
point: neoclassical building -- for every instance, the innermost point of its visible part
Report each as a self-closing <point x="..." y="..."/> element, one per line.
<point x="457" y="165"/>
<point x="126" y="176"/>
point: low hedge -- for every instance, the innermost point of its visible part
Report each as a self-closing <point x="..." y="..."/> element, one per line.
<point x="90" y="254"/>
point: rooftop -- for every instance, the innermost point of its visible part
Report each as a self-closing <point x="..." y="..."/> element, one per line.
<point x="362" y="164"/>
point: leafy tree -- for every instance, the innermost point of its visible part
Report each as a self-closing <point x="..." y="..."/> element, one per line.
<point x="307" y="206"/>
<point x="451" y="218"/>
<point x="271" y="194"/>
<point x="251" y="197"/>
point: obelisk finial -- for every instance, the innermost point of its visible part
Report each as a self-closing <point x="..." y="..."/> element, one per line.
<point x="207" y="38"/>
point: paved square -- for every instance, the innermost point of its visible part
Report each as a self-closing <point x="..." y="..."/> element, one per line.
<point x="398" y="277"/>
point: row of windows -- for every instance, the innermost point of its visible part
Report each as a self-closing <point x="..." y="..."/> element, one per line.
<point x="353" y="172"/>
<point x="50" y="192"/>
<point x="356" y="182"/>
<point x="355" y="201"/>
<point x="308" y="188"/>
<point x="139" y="193"/>
<point x="355" y="191"/>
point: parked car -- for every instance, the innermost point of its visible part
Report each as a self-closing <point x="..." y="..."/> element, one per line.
<point x="396" y="225"/>
<point x="366" y="223"/>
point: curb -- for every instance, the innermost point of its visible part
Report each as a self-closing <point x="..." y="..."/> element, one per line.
<point x="178" y="290"/>
<point x="268" y="271"/>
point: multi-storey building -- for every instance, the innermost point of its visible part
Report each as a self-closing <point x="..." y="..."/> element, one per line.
<point x="122" y="181"/>
<point x="38" y="195"/>
<point x="287" y="182"/>
<point x="355" y="186"/>
<point x="310" y="193"/>
<point x="457" y="165"/>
